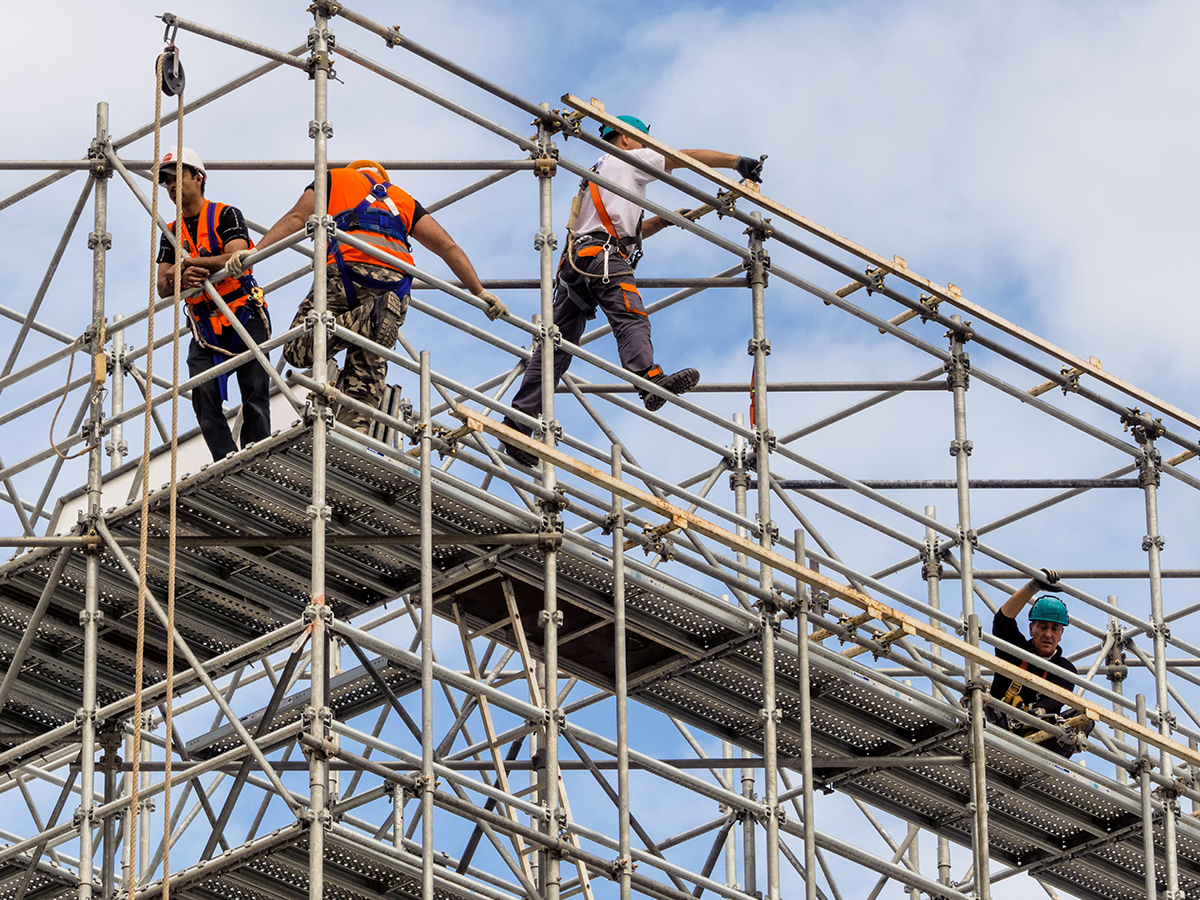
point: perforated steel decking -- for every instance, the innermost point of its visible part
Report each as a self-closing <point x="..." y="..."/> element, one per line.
<point x="691" y="654"/>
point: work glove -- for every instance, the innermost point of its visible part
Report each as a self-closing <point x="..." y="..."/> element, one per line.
<point x="495" y="309"/>
<point x="236" y="264"/>
<point x="749" y="167"/>
<point x="1051" y="579"/>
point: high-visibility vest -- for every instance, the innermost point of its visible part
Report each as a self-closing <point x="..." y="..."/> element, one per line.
<point x="207" y="242"/>
<point x="377" y="213"/>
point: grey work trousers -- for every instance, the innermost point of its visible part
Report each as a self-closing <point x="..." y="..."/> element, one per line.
<point x="622" y="306"/>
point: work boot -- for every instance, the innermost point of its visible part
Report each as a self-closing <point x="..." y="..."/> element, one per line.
<point x="389" y="321"/>
<point x="516" y="453"/>
<point x="679" y="383"/>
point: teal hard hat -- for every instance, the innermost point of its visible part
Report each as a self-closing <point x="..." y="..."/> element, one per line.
<point x="606" y="130"/>
<point x="1049" y="609"/>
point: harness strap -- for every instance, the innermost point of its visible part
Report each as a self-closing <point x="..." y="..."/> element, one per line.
<point x="601" y="211"/>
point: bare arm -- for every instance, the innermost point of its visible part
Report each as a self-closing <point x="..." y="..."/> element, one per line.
<point x="1014" y="604"/>
<point x="293" y="220"/>
<point x="434" y="237"/>
<point x="712" y="158"/>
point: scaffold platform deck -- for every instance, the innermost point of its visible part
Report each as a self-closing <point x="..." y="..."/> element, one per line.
<point x="691" y="654"/>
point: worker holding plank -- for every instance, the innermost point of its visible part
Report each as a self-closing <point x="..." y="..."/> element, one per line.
<point x="604" y="243"/>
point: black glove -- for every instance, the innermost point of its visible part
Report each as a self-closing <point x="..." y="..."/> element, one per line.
<point x="749" y="167"/>
<point x="1051" y="580"/>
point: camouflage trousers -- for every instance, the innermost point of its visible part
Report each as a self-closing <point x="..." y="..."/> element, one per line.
<point x="377" y="316"/>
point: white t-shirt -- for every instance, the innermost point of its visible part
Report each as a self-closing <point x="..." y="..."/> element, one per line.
<point x="624" y="215"/>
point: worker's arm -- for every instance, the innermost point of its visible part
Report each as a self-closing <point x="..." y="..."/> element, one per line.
<point x="1014" y="604"/>
<point x="293" y="220"/>
<point x="198" y="267"/>
<point x="435" y="238"/>
<point x="166" y="279"/>
<point x="714" y="159"/>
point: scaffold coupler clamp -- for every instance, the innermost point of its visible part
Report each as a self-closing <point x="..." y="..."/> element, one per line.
<point x="620" y="866"/>
<point x="931" y="561"/>
<point x="757" y="265"/>
<point x="957" y="369"/>
<point x="1141" y="766"/>
<point x="874" y="281"/>
<point x="818" y="603"/>
<point x="320" y="62"/>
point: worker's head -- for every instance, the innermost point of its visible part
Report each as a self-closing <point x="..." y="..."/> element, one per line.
<point x="1047" y="619"/>
<point x="370" y="168"/>
<point x="624" y="142"/>
<point x="194" y="174"/>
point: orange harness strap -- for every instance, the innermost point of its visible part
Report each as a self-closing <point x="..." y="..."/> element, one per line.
<point x="603" y="213"/>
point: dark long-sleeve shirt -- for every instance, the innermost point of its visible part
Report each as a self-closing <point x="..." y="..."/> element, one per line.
<point x="1027" y="698"/>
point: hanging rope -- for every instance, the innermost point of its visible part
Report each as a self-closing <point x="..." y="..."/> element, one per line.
<point x="97" y="385"/>
<point x="170" y="55"/>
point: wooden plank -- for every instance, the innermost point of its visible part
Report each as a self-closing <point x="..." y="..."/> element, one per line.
<point x="895" y="266"/>
<point x="880" y="611"/>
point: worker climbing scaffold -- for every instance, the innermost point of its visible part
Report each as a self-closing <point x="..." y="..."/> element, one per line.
<point x="604" y="243"/>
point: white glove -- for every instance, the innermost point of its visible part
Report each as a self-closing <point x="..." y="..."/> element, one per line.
<point x="495" y="309"/>
<point x="236" y="264"/>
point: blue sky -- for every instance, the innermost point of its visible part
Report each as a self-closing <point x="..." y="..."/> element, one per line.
<point x="1040" y="155"/>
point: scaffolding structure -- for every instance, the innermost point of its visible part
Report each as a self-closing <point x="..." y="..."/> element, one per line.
<point x="850" y="692"/>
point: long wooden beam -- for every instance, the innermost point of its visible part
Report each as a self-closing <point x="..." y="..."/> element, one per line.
<point x="895" y="266"/>
<point x="909" y="625"/>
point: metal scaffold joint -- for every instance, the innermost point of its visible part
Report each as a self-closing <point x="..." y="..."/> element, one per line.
<point x="957" y="447"/>
<point x="753" y="346"/>
<point x="958" y="369"/>
<point x="874" y="283"/>
<point x="757" y="266"/>
<point x="772" y="528"/>
<point x="546" y="239"/>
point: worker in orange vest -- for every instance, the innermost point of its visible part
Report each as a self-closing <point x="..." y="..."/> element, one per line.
<point x="209" y="234"/>
<point x="367" y="295"/>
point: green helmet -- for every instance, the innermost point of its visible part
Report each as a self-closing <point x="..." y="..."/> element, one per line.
<point x="1049" y="609"/>
<point x="606" y="130"/>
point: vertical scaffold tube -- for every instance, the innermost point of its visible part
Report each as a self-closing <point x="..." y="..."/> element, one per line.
<point x="115" y="447"/>
<point x="806" y="760"/>
<point x="318" y="511"/>
<point x="958" y="369"/>
<point x="1143" y="776"/>
<point x="427" y="682"/>
<point x="621" y="682"/>
<point x="99" y="241"/>
<point x="740" y="479"/>
<point x="761" y="347"/>
<point x="1149" y="475"/>
<point x="1116" y="678"/>
<point x="931" y="571"/>
<point x="550" y="617"/>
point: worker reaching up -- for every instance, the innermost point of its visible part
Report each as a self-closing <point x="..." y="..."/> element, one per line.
<point x="603" y="248"/>
<point x="367" y="296"/>
<point x="1047" y="619"/>
<point x="209" y="235"/>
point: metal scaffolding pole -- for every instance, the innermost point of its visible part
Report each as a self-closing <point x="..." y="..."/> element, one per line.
<point x="804" y="601"/>
<point x="99" y="241"/>
<point x="931" y="571"/>
<point x="1148" y="476"/>
<point x="321" y="418"/>
<point x="624" y="865"/>
<point x="958" y="369"/>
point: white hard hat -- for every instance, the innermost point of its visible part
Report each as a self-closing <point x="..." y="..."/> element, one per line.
<point x="190" y="158"/>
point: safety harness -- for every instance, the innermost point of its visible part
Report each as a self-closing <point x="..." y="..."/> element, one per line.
<point x="604" y="242"/>
<point x="366" y="218"/>
<point x="205" y="318"/>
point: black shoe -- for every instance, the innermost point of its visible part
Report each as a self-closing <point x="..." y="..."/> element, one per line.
<point x="679" y="383"/>
<point x="515" y="453"/>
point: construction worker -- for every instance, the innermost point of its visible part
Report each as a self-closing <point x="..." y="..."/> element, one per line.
<point x="1047" y="619"/>
<point x="367" y="296"/>
<point x="604" y="244"/>
<point x="210" y="234"/>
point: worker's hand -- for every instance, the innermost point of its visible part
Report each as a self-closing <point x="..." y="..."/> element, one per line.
<point x="236" y="264"/>
<point x="193" y="276"/>
<point x="1051" y="579"/>
<point x="495" y="309"/>
<point x="749" y="167"/>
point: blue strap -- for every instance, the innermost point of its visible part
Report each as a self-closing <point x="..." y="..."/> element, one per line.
<point x="212" y="227"/>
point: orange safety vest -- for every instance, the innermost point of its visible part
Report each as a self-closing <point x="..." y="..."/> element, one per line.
<point x="207" y="242"/>
<point x="353" y="193"/>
